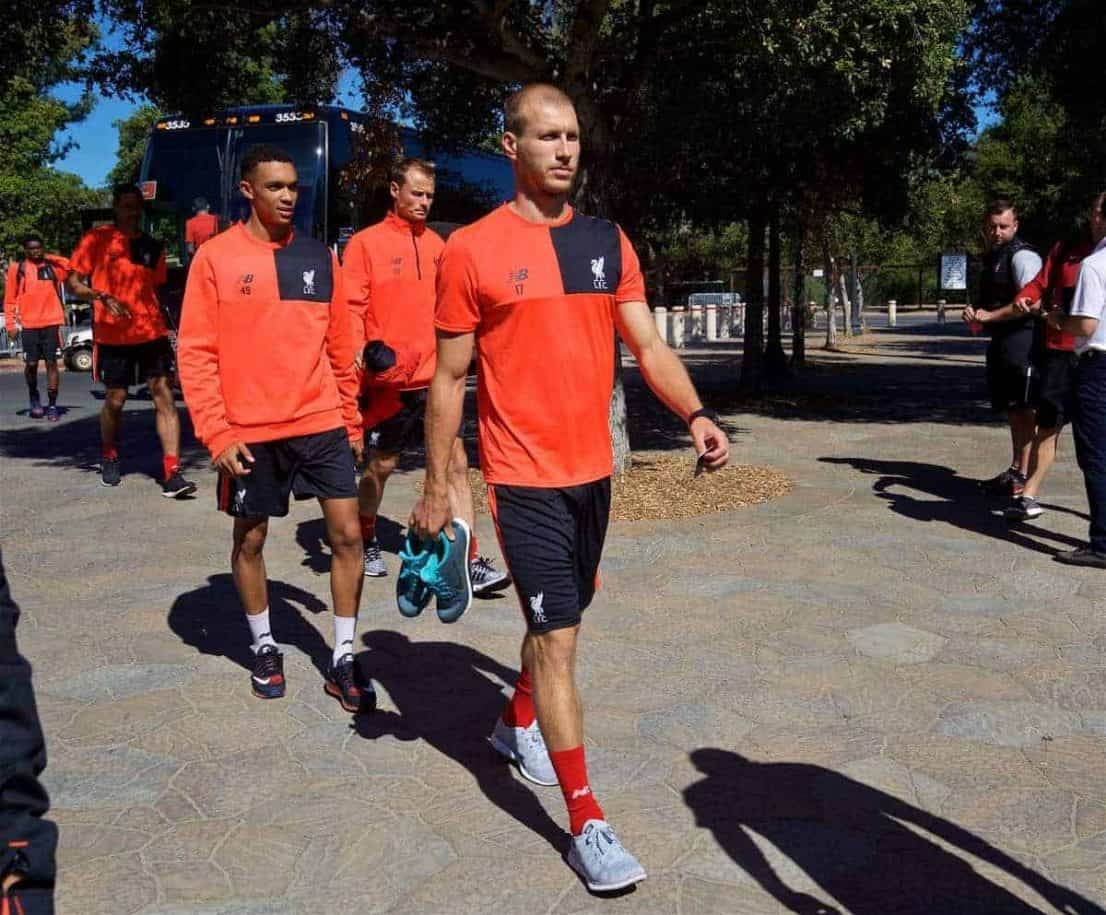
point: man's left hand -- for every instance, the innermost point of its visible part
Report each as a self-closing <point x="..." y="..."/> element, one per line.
<point x="357" y="446"/>
<point x="711" y="444"/>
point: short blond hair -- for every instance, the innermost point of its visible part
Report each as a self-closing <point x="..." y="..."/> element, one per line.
<point x="513" y="119"/>
<point x="401" y="169"/>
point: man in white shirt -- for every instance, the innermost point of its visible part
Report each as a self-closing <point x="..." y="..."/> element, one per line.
<point x="1087" y="322"/>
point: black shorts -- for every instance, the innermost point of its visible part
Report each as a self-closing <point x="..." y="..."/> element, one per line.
<point x="1010" y="382"/>
<point x="123" y="365"/>
<point x="552" y="540"/>
<point x="41" y="343"/>
<point x="316" y="466"/>
<point x="1055" y="387"/>
<point x="404" y="430"/>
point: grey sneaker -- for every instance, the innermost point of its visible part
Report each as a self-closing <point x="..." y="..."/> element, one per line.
<point x="486" y="578"/>
<point x="601" y="861"/>
<point x="374" y="562"/>
<point x="1023" y="508"/>
<point x="525" y="747"/>
<point x="109" y="472"/>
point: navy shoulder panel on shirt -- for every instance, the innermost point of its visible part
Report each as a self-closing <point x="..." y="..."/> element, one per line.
<point x="146" y="251"/>
<point x="304" y="271"/>
<point x="589" y="252"/>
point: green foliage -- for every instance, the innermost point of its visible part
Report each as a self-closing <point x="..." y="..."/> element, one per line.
<point x="133" y="134"/>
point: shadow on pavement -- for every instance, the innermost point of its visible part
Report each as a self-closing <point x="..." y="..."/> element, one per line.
<point x="958" y="501"/>
<point x="448" y="695"/>
<point x="858" y="844"/>
<point x="211" y="620"/>
<point x="311" y="536"/>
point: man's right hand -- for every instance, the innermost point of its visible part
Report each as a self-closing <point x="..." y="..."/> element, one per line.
<point x="233" y="460"/>
<point x="968" y="314"/>
<point x="431" y="515"/>
<point x="1026" y="305"/>
<point x="115" y="308"/>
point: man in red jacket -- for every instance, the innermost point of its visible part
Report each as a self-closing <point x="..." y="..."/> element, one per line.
<point x="32" y="305"/>
<point x="267" y="367"/>
<point x="390" y="272"/>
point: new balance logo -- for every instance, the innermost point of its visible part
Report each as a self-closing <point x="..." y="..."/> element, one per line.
<point x="308" y="282"/>
<point x="537" y="614"/>
<point x="580" y="792"/>
<point x="518" y="278"/>
<point x="598" y="273"/>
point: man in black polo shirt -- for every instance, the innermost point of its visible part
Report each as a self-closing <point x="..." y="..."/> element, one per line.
<point x="1008" y="265"/>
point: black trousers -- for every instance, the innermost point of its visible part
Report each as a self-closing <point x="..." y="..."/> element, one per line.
<point x="1089" y="430"/>
<point x="27" y="841"/>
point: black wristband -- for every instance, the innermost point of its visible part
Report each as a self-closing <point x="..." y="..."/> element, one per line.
<point x="704" y="411"/>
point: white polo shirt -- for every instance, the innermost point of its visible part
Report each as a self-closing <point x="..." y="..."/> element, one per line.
<point x="1090" y="298"/>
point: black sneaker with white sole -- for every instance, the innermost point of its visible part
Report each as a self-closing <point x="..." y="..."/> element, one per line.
<point x="177" y="487"/>
<point x="1023" y="508"/>
<point x="1083" y="556"/>
<point x="109" y="472"/>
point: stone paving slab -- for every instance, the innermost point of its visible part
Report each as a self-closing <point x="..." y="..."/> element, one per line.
<point x="869" y="696"/>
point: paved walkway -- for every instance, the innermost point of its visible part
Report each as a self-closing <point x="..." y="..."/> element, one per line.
<point x="871" y="696"/>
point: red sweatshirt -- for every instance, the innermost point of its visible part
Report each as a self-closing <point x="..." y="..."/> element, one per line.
<point x="390" y="271"/>
<point x="264" y="349"/>
<point x="1059" y="272"/>
<point x="32" y="293"/>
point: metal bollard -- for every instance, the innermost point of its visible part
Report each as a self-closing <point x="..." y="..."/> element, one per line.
<point x="940" y="311"/>
<point x="660" y="316"/>
<point x="677" y="328"/>
<point x="892" y="316"/>
<point x="712" y="323"/>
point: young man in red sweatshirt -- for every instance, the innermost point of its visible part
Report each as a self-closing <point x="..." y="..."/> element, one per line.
<point x="266" y="361"/>
<point x="120" y="268"/>
<point x="32" y="305"/>
<point x="390" y="272"/>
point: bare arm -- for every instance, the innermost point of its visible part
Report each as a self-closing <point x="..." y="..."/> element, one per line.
<point x="668" y="379"/>
<point x="78" y="284"/>
<point x="1076" y="325"/>
<point x="444" y="407"/>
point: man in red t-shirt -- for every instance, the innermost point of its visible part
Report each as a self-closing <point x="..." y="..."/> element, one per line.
<point x="32" y="306"/>
<point x="202" y="226"/>
<point x="390" y="270"/>
<point x="540" y="291"/>
<point x="120" y="267"/>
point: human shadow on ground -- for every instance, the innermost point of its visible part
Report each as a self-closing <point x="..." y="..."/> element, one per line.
<point x="74" y="442"/>
<point x="448" y="695"/>
<point x="861" y="846"/>
<point x="311" y="536"/>
<point x="959" y="501"/>
<point x="211" y="620"/>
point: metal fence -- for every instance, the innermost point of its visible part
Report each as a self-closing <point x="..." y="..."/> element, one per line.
<point x="709" y="317"/>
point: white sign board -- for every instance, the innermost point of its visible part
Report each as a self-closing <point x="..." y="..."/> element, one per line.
<point x="819" y="273"/>
<point x="954" y="271"/>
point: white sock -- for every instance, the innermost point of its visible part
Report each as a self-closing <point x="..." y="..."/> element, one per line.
<point x="344" y="627"/>
<point x="260" y="629"/>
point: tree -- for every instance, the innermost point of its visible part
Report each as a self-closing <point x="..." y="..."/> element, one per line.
<point x="133" y="133"/>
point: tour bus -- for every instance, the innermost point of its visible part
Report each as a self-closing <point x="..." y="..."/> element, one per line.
<point x="341" y="157"/>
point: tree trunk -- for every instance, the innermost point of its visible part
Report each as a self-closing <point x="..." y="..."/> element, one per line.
<point x="775" y="359"/>
<point x="855" y="318"/>
<point x="798" y="305"/>
<point x="846" y="305"/>
<point x="618" y="420"/>
<point x="860" y="303"/>
<point x="753" y="350"/>
<point x="831" y="297"/>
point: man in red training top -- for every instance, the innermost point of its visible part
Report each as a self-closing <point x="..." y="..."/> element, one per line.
<point x="120" y="267"/>
<point x="267" y="367"/>
<point x="390" y="271"/>
<point x="32" y="305"/>
<point x="539" y="290"/>
<point x="202" y="226"/>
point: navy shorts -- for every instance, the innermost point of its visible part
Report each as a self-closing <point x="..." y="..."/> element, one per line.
<point x="403" y="431"/>
<point x="1055" y="387"/>
<point x="318" y="466"/>
<point x="552" y="540"/>
<point x="123" y="365"/>
<point x="1010" y="381"/>
<point x="41" y="343"/>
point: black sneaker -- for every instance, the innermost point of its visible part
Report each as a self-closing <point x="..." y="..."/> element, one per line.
<point x="486" y="578"/>
<point x="267" y="679"/>
<point x="109" y="472"/>
<point x="1084" y="556"/>
<point x="1010" y="482"/>
<point x="341" y="683"/>
<point x="177" y="487"/>
<point x="1022" y="509"/>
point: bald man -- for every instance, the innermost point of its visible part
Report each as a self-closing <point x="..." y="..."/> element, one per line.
<point x="539" y="291"/>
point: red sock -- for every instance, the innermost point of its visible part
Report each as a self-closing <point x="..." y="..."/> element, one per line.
<point x="519" y="712"/>
<point x="473" y="553"/>
<point x="572" y="773"/>
<point x="368" y="528"/>
<point x="170" y="463"/>
<point x="109" y="453"/>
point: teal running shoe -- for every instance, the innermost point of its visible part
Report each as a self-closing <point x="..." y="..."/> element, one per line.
<point x="448" y="577"/>
<point x="412" y="593"/>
